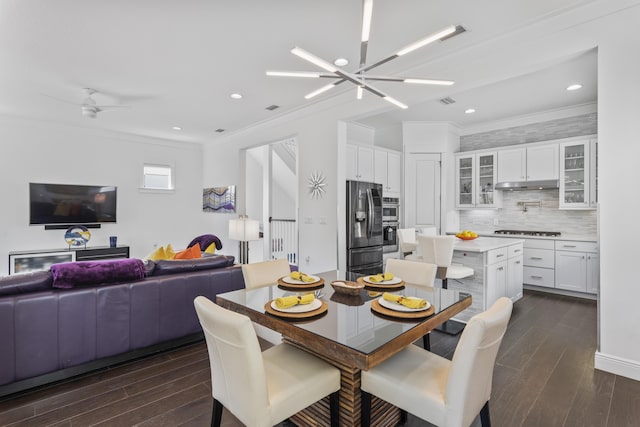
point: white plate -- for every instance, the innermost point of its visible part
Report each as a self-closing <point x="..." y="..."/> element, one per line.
<point x="299" y="308"/>
<point x="393" y="281"/>
<point x="288" y="279"/>
<point x="399" y="307"/>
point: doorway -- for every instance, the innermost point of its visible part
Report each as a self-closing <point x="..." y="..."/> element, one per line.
<point x="272" y="198"/>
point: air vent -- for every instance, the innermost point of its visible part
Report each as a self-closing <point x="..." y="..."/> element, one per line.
<point x="219" y="130"/>
<point x="272" y="107"/>
<point x="448" y="100"/>
<point x="459" y="30"/>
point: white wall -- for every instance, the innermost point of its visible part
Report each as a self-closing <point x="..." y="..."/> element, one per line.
<point x="42" y="152"/>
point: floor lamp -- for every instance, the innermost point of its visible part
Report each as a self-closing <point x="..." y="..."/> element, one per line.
<point x="244" y="230"/>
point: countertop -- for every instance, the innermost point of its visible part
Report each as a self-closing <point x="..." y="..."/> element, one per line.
<point x="567" y="236"/>
<point x="485" y="244"/>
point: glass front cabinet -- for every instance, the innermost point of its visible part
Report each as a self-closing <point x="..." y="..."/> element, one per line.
<point x="476" y="175"/>
<point x="578" y="175"/>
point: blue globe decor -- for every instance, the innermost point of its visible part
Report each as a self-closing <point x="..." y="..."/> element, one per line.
<point x="77" y="235"/>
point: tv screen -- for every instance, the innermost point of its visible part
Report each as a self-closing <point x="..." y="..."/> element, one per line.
<point x="71" y="204"/>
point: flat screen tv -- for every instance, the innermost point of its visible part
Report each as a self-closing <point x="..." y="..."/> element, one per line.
<point x="71" y="204"/>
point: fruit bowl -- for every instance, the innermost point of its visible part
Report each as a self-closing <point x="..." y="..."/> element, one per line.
<point x="466" y="237"/>
<point x="347" y="287"/>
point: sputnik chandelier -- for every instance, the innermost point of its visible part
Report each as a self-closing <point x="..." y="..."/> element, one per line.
<point x="360" y="77"/>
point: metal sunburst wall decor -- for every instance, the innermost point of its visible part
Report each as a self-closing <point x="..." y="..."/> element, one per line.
<point x="316" y="185"/>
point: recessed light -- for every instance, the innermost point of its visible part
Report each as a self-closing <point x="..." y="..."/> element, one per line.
<point x="236" y="96"/>
<point x="574" y="86"/>
<point x="469" y="111"/>
<point x="341" y="62"/>
<point x="176" y="128"/>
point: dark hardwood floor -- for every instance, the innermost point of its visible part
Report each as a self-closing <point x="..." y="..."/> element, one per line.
<point x="544" y="376"/>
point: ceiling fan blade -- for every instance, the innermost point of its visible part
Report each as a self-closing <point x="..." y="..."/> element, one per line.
<point x="367" y="12"/>
<point x="62" y="100"/>
<point x="303" y="74"/>
<point x="108" y="107"/>
<point x="410" y="80"/>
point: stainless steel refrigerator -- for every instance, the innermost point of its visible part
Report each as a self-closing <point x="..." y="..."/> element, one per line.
<point x="364" y="227"/>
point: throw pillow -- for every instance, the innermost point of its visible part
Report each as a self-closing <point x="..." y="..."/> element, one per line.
<point x="190" y="253"/>
<point x="158" y="254"/>
<point x="211" y="249"/>
<point x="169" y="252"/>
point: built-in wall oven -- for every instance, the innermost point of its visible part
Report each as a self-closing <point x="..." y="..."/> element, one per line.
<point x="390" y="223"/>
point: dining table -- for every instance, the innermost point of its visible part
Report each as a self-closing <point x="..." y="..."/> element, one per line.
<point x="351" y="332"/>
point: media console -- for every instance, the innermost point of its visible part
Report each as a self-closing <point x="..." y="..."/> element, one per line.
<point x="38" y="260"/>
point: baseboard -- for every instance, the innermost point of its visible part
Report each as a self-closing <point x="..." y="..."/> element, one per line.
<point x="618" y="365"/>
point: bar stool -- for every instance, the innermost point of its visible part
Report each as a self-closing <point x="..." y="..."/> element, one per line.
<point x="407" y="241"/>
<point x="438" y="250"/>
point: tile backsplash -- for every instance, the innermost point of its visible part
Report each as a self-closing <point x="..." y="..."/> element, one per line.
<point x="547" y="217"/>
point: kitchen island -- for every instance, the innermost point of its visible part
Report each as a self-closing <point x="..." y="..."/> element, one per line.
<point x="498" y="271"/>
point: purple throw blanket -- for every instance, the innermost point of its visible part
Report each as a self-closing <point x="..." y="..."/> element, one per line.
<point x="205" y="240"/>
<point x="69" y="274"/>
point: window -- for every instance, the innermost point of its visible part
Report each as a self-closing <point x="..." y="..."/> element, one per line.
<point x="157" y="177"/>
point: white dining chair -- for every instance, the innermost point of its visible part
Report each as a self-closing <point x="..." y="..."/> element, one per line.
<point x="260" y="388"/>
<point x="439" y="250"/>
<point x="407" y="241"/>
<point x="416" y="273"/>
<point x="261" y="274"/>
<point x="447" y="393"/>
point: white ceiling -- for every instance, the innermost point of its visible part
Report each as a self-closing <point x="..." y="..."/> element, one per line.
<point x="175" y="63"/>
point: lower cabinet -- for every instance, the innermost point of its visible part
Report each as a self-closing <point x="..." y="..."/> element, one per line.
<point x="577" y="266"/>
<point x="496" y="282"/>
<point x="515" y="274"/>
<point x="504" y="272"/>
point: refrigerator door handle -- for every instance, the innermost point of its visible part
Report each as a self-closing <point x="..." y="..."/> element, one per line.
<point x="369" y="213"/>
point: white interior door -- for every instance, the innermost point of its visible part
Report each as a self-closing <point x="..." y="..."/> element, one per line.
<point x="422" y="191"/>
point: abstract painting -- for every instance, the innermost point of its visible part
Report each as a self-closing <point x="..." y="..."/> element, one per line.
<point x="219" y="199"/>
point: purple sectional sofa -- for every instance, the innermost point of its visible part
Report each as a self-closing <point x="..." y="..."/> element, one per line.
<point x="48" y="333"/>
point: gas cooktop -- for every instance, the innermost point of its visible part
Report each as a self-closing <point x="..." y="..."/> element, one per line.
<point x="529" y="233"/>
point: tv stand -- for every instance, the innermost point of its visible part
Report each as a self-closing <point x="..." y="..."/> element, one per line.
<point x="41" y="260"/>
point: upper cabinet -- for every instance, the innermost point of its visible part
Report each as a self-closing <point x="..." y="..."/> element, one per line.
<point x="475" y="179"/>
<point x="388" y="171"/>
<point x="360" y="163"/>
<point x="578" y="171"/>
<point x="528" y="163"/>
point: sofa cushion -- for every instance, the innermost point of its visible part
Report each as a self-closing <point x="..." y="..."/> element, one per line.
<point x="164" y="267"/>
<point x="69" y="274"/>
<point x="205" y="241"/>
<point x="25" y="283"/>
<point x="191" y="253"/>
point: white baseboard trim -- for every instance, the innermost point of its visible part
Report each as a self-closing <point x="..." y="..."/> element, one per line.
<point x="618" y="365"/>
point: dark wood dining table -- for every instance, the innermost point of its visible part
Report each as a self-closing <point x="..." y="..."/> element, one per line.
<point x="349" y="335"/>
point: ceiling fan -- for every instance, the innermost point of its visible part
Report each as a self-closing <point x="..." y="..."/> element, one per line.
<point x="360" y="77"/>
<point x="88" y="106"/>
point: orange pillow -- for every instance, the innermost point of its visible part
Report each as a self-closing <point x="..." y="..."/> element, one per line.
<point x="191" y="253"/>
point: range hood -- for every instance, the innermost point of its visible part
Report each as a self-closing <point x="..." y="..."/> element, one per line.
<point x="528" y="185"/>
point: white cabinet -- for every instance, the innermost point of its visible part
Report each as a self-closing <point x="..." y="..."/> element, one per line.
<point x="359" y="163"/>
<point x="578" y="172"/>
<point x="539" y="263"/>
<point x="577" y="266"/>
<point x="388" y="172"/>
<point x="539" y="162"/>
<point x="476" y="175"/>
<point x="504" y="274"/>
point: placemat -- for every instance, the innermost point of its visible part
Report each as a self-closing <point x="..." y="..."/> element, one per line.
<point x="323" y="308"/>
<point x="375" y="306"/>
<point x="379" y="285"/>
<point x="302" y="286"/>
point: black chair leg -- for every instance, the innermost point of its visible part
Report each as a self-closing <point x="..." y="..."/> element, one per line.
<point x="485" y="419"/>
<point x="426" y="342"/>
<point x="334" y="408"/>
<point x="365" y="409"/>
<point x="403" y="417"/>
<point x="216" y="413"/>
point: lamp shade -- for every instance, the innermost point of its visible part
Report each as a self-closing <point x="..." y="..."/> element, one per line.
<point x="244" y="229"/>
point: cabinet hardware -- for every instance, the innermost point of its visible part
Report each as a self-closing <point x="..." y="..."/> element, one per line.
<point x="537" y="258"/>
<point x="536" y="277"/>
<point x="517" y="262"/>
<point x="499" y="255"/>
<point x="500" y="268"/>
<point x="568" y="246"/>
<point x="582" y="256"/>
<point x="516" y="250"/>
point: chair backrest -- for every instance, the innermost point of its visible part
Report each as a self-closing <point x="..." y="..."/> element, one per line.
<point x="428" y="231"/>
<point x="414" y="272"/>
<point x="264" y="273"/>
<point x="469" y="381"/>
<point x="238" y="378"/>
<point x="407" y="239"/>
<point x="437" y="250"/>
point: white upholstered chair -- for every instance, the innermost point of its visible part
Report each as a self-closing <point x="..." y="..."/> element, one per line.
<point x="442" y="392"/>
<point x="260" y="274"/>
<point x="407" y="241"/>
<point x="416" y="273"/>
<point x="260" y="388"/>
